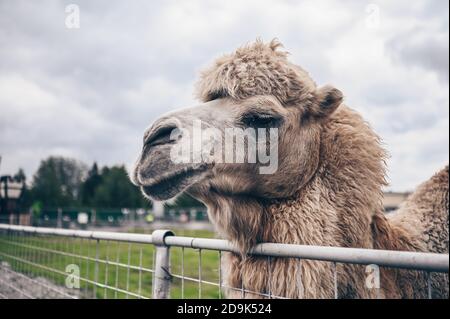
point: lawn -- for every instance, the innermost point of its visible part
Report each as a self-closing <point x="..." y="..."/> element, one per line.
<point x="48" y="257"/>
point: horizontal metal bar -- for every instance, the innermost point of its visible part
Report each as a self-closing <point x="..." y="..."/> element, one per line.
<point x="16" y="289"/>
<point x="62" y="253"/>
<point x="126" y="237"/>
<point x="388" y="258"/>
<point x="86" y="280"/>
<point x="38" y="283"/>
<point x="195" y="280"/>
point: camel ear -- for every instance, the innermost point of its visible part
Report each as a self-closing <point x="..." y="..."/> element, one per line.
<point x="328" y="100"/>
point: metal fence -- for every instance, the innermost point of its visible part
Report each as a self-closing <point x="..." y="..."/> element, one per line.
<point x="38" y="262"/>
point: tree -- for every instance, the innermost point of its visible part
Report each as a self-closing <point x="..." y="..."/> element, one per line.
<point x="20" y="176"/>
<point x="25" y="200"/>
<point x="57" y="182"/>
<point x="186" y="201"/>
<point x="116" y="190"/>
<point x="90" y="185"/>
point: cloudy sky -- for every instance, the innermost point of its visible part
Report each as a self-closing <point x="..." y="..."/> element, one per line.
<point x="90" y="92"/>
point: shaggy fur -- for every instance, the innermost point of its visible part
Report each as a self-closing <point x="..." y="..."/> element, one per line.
<point x="340" y="206"/>
<point x="327" y="190"/>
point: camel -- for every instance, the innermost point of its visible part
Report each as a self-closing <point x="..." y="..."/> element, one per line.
<point x="326" y="191"/>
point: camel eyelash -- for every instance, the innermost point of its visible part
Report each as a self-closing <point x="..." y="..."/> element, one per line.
<point x="217" y="95"/>
<point x="260" y="120"/>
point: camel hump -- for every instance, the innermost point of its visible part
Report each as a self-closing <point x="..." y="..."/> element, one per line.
<point x="425" y="213"/>
<point x="434" y="192"/>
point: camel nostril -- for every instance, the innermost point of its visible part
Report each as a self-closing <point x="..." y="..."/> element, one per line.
<point x="159" y="136"/>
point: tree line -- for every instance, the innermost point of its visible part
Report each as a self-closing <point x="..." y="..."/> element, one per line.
<point x="67" y="182"/>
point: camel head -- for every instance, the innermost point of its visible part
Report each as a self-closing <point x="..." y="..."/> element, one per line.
<point x="255" y="133"/>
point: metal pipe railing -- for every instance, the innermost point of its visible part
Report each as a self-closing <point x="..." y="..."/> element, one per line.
<point x="164" y="239"/>
<point x="101" y="235"/>
<point x="388" y="258"/>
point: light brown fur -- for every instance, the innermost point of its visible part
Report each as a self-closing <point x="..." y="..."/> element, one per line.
<point x="327" y="190"/>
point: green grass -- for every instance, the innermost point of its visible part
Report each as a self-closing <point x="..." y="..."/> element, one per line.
<point x="138" y="255"/>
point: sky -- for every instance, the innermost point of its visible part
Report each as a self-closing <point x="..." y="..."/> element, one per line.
<point x="89" y="90"/>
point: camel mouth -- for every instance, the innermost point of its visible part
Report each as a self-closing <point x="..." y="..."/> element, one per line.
<point x="172" y="184"/>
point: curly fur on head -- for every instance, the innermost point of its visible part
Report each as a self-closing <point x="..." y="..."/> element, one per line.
<point x="255" y="69"/>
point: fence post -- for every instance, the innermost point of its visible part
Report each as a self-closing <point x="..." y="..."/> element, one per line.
<point x="94" y="217"/>
<point x="161" y="275"/>
<point x="59" y="218"/>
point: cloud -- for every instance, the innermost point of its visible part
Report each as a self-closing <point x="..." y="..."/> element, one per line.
<point x="421" y="49"/>
<point x="91" y="92"/>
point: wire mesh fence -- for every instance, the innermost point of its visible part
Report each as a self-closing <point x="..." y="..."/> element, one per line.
<point x="57" y="263"/>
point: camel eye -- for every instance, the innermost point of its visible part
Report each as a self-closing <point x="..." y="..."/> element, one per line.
<point x="255" y="120"/>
